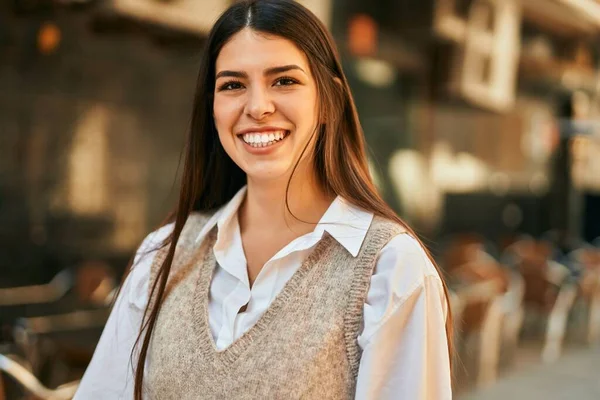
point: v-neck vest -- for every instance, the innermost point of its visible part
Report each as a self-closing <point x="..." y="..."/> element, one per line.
<point x="303" y="347"/>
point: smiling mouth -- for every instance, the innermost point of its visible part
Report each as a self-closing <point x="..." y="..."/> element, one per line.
<point x="264" y="139"/>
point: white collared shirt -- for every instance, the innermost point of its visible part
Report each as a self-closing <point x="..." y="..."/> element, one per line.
<point x="405" y="353"/>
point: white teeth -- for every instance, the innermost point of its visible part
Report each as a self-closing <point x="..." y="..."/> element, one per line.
<point x="264" y="139"/>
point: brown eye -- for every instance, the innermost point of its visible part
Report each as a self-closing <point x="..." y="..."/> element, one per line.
<point x="285" y="81"/>
<point x="232" y="85"/>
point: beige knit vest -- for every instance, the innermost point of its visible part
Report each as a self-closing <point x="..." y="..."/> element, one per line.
<point x="303" y="347"/>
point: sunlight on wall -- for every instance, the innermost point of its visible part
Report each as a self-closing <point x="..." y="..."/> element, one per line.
<point x="129" y="179"/>
<point x="421" y="199"/>
<point x="86" y="182"/>
<point x="457" y="172"/>
<point x="107" y="172"/>
<point x="421" y="184"/>
<point x="130" y="222"/>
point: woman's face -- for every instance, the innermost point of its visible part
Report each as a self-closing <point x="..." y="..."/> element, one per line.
<point x="265" y="103"/>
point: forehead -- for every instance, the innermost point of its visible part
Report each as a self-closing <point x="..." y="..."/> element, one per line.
<point x="250" y="50"/>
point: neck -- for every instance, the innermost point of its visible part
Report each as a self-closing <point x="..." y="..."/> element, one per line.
<point x="265" y="203"/>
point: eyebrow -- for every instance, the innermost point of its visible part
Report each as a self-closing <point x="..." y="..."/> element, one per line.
<point x="269" y="71"/>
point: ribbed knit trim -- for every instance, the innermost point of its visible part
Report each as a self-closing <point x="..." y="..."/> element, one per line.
<point x="193" y="225"/>
<point x="224" y="358"/>
<point x="379" y="234"/>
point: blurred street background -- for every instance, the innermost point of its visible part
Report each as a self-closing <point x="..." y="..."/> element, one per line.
<point x="482" y="119"/>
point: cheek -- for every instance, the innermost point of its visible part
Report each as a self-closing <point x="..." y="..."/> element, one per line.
<point x="224" y="131"/>
<point x="226" y="112"/>
<point x="301" y="110"/>
<point x="220" y="114"/>
<point x="225" y="116"/>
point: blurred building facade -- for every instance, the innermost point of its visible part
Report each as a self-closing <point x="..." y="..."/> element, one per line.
<point x="480" y="117"/>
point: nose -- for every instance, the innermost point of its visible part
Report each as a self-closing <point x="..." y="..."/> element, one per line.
<point x="259" y="104"/>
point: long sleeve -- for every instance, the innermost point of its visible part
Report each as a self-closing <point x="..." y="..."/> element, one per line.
<point x="405" y="352"/>
<point x="110" y="373"/>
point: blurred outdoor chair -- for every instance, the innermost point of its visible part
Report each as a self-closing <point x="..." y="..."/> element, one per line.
<point x="36" y="294"/>
<point x="514" y="314"/>
<point x="588" y="258"/>
<point x="464" y="248"/>
<point x="479" y="293"/>
<point x="549" y="293"/>
<point x="30" y="384"/>
<point x="68" y="337"/>
<point x="93" y="282"/>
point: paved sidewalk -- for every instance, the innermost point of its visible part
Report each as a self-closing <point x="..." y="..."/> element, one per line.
<point x="575" y="376"/>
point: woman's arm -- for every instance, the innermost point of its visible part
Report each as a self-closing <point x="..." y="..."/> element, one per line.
<point x="405" y="352"/>
<point x="110" y="373"/>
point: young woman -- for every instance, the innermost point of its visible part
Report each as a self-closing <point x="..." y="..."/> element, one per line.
<point x="284" y="275"/>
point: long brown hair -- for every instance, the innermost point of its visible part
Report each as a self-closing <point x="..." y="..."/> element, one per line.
<point x="210" y="177"/>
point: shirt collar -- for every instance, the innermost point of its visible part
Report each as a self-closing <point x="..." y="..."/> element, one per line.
<point x="346" y="223"/>
<point x="223" y="216"/>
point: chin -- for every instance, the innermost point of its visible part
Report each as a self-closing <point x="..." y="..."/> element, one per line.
<point x="269" y="173"/>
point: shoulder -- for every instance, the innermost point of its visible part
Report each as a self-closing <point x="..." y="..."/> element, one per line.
<point x="403" y="266"/>
<point x="383" y="227"/>
<point x="135" y="287"/>
<point x="136" y="284"/>
<point x="397" y="249"/>
<point x="403" y="273"/>
<point x="193" y="228"/>
<point x="155" y="240"/>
